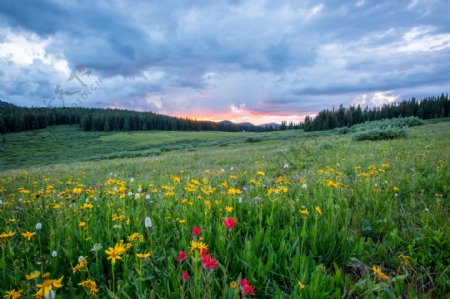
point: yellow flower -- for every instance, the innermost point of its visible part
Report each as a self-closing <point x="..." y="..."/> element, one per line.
<point x="115" y="253"/>
<point x="13" y="294"/>
<point x="395" y="188"/>
<point x="86" y="206"/>
<point x="9" y="234"/>
<point x="48" y="285"/>
<point x="198" y="245"/>
<point x="27" y="235"/>
<point x="82" y="224"/>
<point x="301" y="285"/>
<point x="229" y="209"/>
<point x="233" y="285"/>
<point x="304" y="212"/>
<point x="77" y="191"/>
<point x="379" y="274"/>
<point x="91" y="285"/>
<point x="136" y="237"/>
<point x="82" y="264"/>
<point x="32" y="275"/>
<point x="45" y="275"/>
<point x="261" y="173"/>
<point x="318" y="210"/>
<point x="181" y="221"/>
<point x="143" y="255"/>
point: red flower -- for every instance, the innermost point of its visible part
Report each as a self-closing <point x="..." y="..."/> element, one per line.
<point x="230" y="223"/>
<point x="181" y="256"/>
<point x="196" y="231"/>
<point x="246" y="288"/>
<point x="185" y="276"/>
<point x="209" y="263"/>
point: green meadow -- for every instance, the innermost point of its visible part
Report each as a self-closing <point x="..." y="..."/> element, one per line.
<point x="317" y="215"/>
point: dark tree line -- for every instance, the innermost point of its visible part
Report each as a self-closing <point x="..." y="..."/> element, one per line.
<point x="16" y="119"/>
<point x="430" y="107"/>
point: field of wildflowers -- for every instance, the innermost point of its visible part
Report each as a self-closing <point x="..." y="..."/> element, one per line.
<point x="274" y="219"/>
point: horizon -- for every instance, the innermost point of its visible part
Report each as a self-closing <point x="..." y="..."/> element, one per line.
<point x="241" y="61"/>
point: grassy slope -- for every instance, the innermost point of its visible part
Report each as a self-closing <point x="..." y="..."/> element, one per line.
<point x="63" y="144"/>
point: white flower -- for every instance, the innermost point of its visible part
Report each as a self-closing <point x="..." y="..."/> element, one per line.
<point x="222" y="170"/>
<point x="1" y="202"/>
<point x="115" y="188"/>
<point x="54" y="253"/>
<point x="286" y="165"/>
<point x="87" y="200"/>
<point x="304" y="186"/>
<point x="148" y="222"/>
<point x="240" y="200"/>
<point x="50" y="295"/>
<point x="137" y="196"/>
<point x="130" y="193"/>
<point x="231" y="168"/>
<point x="147" y="196"/>
<point x="131" y="180"/>
<point x="140" y="189"/>
<point x="96" y="247"/>
<point x="80" y="258"/>
<point x="38" y="226"/>
<point x="117" y="226"/>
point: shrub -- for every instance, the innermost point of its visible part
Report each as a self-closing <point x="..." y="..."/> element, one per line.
<point x="388" y="123"/>
<point x="380" y="134"/>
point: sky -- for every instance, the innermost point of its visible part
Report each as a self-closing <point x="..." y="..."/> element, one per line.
<point x="258" y="61"/>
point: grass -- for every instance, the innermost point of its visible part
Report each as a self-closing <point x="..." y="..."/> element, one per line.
<point x="66" y="144"/>
<point x="318" y="216"/>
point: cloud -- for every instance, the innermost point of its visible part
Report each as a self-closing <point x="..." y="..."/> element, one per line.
<point x="241" y="58"/>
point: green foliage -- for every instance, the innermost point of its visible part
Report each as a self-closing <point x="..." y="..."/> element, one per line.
<point x="388" y="123"/>
<point x="380" y="134"/>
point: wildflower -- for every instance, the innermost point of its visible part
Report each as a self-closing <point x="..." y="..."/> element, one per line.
<point x="77" y="191"/>
<point x="286" y="165"/>
<point x="50" y="295"/>
<point x="27" y="235"/>
<point x="86" y="206"/>
<point x="54" y="253"/>
<point x="256" y="198"/>
<point x="233" y="285"/>
<point x="131" y="180"/>
<point x="136" y="237"/>
<point x="198" y="245"/>
<point x="115" y="253"/>
<point x="139" y="189"/>
<point x="181" y="256"/>
<point x="148" y="222"/>
<point x="82" y="263"/>
<point x="147" y="196"/>
<point x="301" y="285"/>
<point x="185" y="276"/>
<point x="32" y="275"/>
<point x="229" y="209"/>
<point x="246" y="288"/>
<point x="318" y="210"/>
<point x="137" y="196"/>
<point x="38" y="226"/>
<point x="9" y="234"/>
<point x="304" y="212"/>
<point x="82" y="224"/>
<point x="91" y="285"/>
<point x="304" y="186"/>
<point x="261" y="173"/>
<point x="379" y="274"/>
<point x="229" y="223"/>
<point x="143" y="256"/>
<point x="13" y="294"/>
<point x="96" y="247"/>
<point x="395" y="188"/>
<point x="196" y="231"/>
<point x="209" y="263"/>
<point x="47" y="286"/>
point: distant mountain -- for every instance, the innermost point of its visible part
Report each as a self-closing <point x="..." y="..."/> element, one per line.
<point x="245" y="124"/>
<point x="271" y="125"/>
<point x="6" y="104"/>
